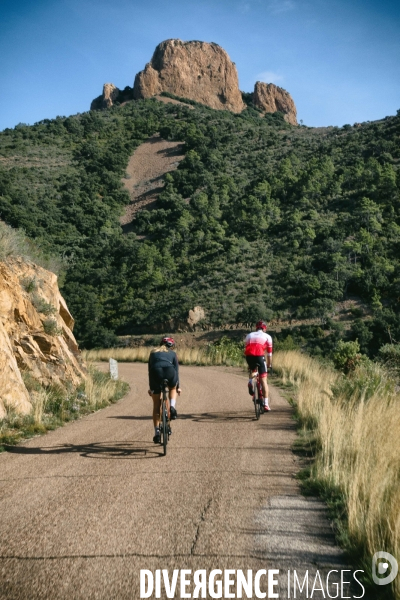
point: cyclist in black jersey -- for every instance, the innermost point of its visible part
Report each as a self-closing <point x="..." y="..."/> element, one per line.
<point x="163" y="364"/>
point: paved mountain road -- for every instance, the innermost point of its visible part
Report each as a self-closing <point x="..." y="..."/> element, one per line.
<point x="84" y="508"/>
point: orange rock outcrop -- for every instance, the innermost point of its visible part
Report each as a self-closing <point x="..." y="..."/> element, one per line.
<point x="25" y="347"/>
<point x="270" y="98"/>
<point x="196" y="70"/>
<point x="107" y="99"/>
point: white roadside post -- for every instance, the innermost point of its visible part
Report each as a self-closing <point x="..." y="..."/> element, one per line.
<point x="113" y="369"/>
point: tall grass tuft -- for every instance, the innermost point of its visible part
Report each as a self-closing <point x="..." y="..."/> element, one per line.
<point x="355" y="421"/>
<point x="100" y="389"/>
<point x="39" y="402"/>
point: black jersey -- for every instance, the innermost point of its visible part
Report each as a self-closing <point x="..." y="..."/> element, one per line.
<point x="163" y="359"/>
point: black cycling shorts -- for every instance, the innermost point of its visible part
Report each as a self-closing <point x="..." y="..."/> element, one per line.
<point x="257" y="361"/>
<point x="157" y="376"/>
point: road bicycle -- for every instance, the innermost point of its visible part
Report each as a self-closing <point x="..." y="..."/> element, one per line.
<point x="164" y="422"/>
<point x="257" y="393"/>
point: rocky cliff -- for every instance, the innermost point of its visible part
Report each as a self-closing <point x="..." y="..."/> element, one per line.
<point x="195" y="70"/>
<point x="270" y="98"/>
<point x="35" y="334"/>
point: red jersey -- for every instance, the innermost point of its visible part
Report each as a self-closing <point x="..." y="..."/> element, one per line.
<point x="257" y="343"/>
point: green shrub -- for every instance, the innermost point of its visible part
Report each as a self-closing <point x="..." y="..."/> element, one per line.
<point x="29" y="284"/>
<point x="365" y="380"/>
<point x="287" y="344"/>
<point x="389" y="355"/>
<point x="231" y="349"/>
<point x="31" y="384"/>
<point x="347" y="356"/>
<point x="356" y="312"/>
<point x="50" y="327"/>
<point x="41" y="305"/>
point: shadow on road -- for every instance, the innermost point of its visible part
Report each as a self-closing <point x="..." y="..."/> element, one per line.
<point x="115" y="450"/>
<point x="133" y="417"/>
<point x="217" y="417"/>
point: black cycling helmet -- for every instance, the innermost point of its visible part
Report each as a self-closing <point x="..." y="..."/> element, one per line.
<point x="169" y="342"/>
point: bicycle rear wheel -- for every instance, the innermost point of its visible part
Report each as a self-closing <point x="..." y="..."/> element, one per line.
<point x="256" y="398"/>
<point x="164" y="416"/>
<point x="164" y="428"/>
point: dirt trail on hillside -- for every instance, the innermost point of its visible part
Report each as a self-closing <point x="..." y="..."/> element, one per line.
<point x="146" y="169"/>
<point x="167" y="100"/>
<point x="84" y="508"/>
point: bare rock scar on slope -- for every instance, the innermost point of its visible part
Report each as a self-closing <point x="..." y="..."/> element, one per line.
<point x="144" y="175"/>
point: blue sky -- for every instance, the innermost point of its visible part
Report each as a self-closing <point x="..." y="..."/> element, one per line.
<point x="340" y="60"/>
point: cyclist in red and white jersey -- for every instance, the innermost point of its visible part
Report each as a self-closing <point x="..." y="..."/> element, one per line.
<point x="257" y="343"/>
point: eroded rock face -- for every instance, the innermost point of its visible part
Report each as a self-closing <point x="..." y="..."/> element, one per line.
<point x="195" y="316"/>
<point x="107" y="99"/>
<point x="50" y="358"/>
<point x="196" y="70"/>
<point x="270" y="98"/>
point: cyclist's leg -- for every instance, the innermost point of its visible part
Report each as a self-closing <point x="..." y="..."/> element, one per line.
<point x="251" y="363"/>
<point x="155" y="386"/>
<point x="262" y="369"/>
<point x="172" y="377"/>
<point x="156" y="417"/>
<point x="265" y="388"/>
<point x="156" y="409"/>
<point x="265" y="393"/>
<point x="266" y="397"/>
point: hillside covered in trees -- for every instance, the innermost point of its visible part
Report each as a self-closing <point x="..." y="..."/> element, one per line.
<point x="260" y="219"/>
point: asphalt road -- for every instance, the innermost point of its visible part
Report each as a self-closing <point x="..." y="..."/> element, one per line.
<point x="83" y="509"/>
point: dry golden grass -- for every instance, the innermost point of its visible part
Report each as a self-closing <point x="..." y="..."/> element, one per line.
<point x="39" y="401"/>
<point x="140" y="354"/>
<point x="187" y="356"/>
<point x="97" y="393"/>
<point x="360" y="448"/>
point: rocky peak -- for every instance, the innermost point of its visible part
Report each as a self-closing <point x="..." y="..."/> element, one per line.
<point x="196" y="70"/>
<point x="110" y="96"/>
<point x="270" y="98"/>
<point x="107" y="99"/>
